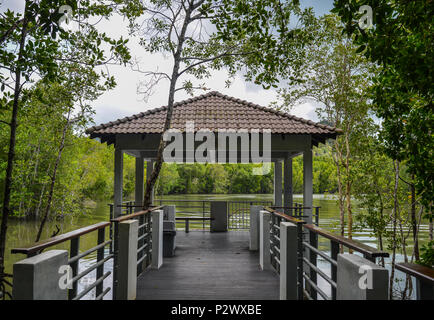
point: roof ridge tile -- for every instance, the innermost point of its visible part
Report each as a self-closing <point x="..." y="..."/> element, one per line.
<point x="222" y="96"/>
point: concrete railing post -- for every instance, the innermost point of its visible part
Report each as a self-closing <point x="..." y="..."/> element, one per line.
<point x="361" y="279"/>
<point x="42" y="277"/>
<point x="254" y="227"/>
<point x="424" y="290"/>
<point x="264" y="240"/>
<point x="127" y="260"/>
<point x="219" y="216"/>
<point x="169" y="213"/>
<point x="288" y="261"/>
<point x="157" y="239"/>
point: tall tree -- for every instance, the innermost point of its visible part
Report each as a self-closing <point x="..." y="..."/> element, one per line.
<point x="33" y="43"/>
<point x="400" y="42"/>
<point x="336" y="78"/>
<point x="202" y="35"/>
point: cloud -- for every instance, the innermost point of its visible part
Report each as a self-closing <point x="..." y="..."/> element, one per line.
<point x="124" y="100"/>
<point x="13" y="5"/>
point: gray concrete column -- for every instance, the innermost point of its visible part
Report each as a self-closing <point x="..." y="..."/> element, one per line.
<point x="127" y="260"/>
<point x="424" y="290"/>
<point x="149" y="168"/>
<point x="264" y="240"/>
<point x="288" y="261"/>
<point x="42" y="277"/>
<point x="157" y="239"/>
<point x="278" y="183"/>
<point x="287" y="189"/>
<point x="307" y="185"/>
<point x="139" y="184"/>
<point x="254" y="227"/>
<point x="219" y="216"/>
<point x="169" y="213"/>
<point x="361" y="279"/>
<point x="118" y="182"/>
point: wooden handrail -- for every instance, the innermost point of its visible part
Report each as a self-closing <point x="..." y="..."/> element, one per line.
<point x="41" y="245"/>
<point x="194" y="218"/>
<point x="422" y="273"/>
<point x="284" y="216"/>
<point x="136" y="214"/>
<point x="278" y="207"/>
<point x="181" y="200"/>
<point x="350" y="243"/>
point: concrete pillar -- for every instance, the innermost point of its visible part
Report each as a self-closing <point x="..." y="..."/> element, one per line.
<point x="169" y="213"/>
<point x="254" y="227"/>
<point x="149" y="168"/>
<point x="307" y="185"/>
<point x="278" y="183"/>
<point x="118" y="182"/>
<point x="424" y="290"/>
<point x="42" y="277"/>
<point x="219" y="214"/>
<point x="287" y="182"/>
<point x="140" y="184"/>
<point x="157" y="239"/>
<point x="288" y="261"/>
<point x="361" y="279"/>
<point x="127" y="260"/>
<point x="264" y="240"/>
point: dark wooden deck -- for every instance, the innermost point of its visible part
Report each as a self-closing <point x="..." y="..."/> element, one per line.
<point x="210" y="266"/>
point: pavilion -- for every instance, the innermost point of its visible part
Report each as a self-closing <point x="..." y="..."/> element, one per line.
<point x="139" y="136"/>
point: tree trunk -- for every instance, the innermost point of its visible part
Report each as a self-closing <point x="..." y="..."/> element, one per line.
<point x="11" y="153"/>
<point x="348" y="188"/>
<point x="173" y="80"/>
<point x="338" y="161"/>
<point x="414" y="220"/>
<point x="53" y="179"/>
<point x="394" y="220"/>
<point x="430" y="223"/>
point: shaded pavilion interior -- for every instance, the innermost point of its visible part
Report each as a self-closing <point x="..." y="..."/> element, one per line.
<point x="139" y="136"/>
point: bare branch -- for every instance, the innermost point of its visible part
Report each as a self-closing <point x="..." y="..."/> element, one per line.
<point x="205" y="60"/>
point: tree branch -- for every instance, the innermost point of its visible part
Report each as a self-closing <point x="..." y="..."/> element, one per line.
<point x="10" y="30"/>
<point x="202" y="60"/>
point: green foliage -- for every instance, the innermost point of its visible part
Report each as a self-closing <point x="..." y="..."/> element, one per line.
<point x="427" y="254"/>
<point x="401" y="44"/>
<point x="239" y="179"/>
<point x="252" y="37"/>
<point x="337" y="79"/>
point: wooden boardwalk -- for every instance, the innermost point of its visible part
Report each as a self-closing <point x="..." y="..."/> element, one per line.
<point x="210" y="266"/>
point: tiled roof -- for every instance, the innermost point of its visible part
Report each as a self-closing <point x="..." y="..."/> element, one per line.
<point x="215" y="111"/>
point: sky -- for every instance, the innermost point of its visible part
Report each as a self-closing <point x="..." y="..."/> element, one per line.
<point x="124" y="101"/>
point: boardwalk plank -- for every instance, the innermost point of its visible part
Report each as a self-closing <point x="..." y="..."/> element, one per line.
<point x="210" y="266"/>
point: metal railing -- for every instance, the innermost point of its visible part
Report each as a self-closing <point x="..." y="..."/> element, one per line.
<point x="308" y="252"/>
<point x="144" y="241"/>
<point x="239" y="213"/>
<point x="424" y="279"/>
<point x="196" y="212"/>
<point x="276" y="219"/>
<point x="295" y="215"/>
<point x="75" y="256"/>
<point x="298" y="210"/>
<point x="337" y="243"/>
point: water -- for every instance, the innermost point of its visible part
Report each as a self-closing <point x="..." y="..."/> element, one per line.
<point x="22" y="233"/>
